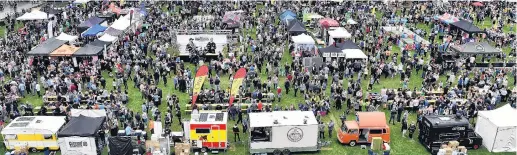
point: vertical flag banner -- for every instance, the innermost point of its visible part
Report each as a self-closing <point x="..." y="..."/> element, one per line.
<point x="236" y="84"/>
<point x="201" y="75"/>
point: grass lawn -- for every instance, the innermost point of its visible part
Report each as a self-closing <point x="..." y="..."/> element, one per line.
<point x="399" y="145"/>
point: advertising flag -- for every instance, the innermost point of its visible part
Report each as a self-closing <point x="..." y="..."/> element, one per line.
<point x="201" y="75"/>
<point x="236" y="84"/>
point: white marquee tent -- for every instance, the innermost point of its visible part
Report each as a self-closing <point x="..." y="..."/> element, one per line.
<point x="66" y="37"/>
<point x="121" y="24"/>
<point x="303" y="39"/>
<point x="338" y="33"/>
<point x="35" y="15"/>
<point x="498" y="129"/>
<point x="108" y="38"/>
<point x="354" y="54"/>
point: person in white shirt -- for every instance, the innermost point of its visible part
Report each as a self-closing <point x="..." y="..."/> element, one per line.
<point x="38" y="89"/>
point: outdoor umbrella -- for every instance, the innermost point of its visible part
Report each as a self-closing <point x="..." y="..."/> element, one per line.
<point x="327" y="22"/>
<point x="477" y="4"/>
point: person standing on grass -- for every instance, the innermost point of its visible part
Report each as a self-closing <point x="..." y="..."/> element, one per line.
<point x="279" y="93"/>
<point x="331" y="127"/>
<point x="321" y="127"/>
<point x="392" y="114"/>
<point x="236" y="133"/>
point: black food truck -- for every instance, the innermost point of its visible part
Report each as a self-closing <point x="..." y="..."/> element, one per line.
<point x="436" y="130"/>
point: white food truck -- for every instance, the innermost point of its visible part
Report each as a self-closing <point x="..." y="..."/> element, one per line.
<point x="283" y="132"/>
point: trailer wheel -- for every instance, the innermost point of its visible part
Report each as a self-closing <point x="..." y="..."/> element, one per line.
<point x="286" y="152"/>
<point x="204" y="149"/>
<point x="33" y="149"/>
<point x="277" y="152"/>
<point x="352" y="143"/>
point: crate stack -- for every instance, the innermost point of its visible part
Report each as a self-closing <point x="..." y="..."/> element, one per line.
<point x="182" y="149"/>
<point x="452" y="148"/>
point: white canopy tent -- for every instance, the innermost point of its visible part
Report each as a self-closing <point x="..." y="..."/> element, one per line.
<point x="121" y="24"/>
<point x="66" y="37"/>
<point x="303" y="39"/>
<point x="303" y="43"/>
<point x="354" y="54"/>
<point x="338" y="33"/>
<point x="108" y="38"/>
<point x="498" y="129"/>
<point x="35" y="15"/>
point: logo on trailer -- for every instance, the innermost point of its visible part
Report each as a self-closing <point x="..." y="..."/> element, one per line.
<point x="480" y="48"/>
<point x="295" y="134"/>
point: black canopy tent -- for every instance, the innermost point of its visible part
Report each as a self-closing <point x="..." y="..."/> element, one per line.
<point x="330" y="51"/>
<point x="88" y="50"/>
<point x="475" y="48"/>
<point x="100" y="43"/>
<point x="467" y="26"/>
<point x="82" y="126"/>
<point x="46" y="47"/>
<point x="347" y="45"/>
<point x="296" y="27"/>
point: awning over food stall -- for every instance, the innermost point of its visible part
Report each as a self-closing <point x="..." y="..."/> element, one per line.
<point x="46" y="47"/>
<point x="35" y="15"/>
<point x="476" y="48"/>
<point x="303" y="39"/>
<point x="113" y="32"/>
<point x="93" y="31"/>
<point x="64" y="51"/>
<point x="92" y="21"/>
<point x="108" y="38"/>
<point x="467" y="26"/>
<point x="66" y="37"/>
<point x="88" y="50"/>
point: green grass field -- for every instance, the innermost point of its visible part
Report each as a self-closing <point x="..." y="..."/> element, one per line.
<point x="399" y="145"/>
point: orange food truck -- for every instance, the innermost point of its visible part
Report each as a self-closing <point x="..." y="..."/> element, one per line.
<point x="363" y="129"/>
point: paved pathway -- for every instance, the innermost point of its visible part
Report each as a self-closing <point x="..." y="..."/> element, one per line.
<point x="21" y="6"/>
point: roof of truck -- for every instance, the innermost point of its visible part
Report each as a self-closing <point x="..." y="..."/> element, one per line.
<point x="209" y="117"/>
<point x="47" y="124"/>
<point x="444" y="121"/>
<point x="282" y="118"/>
<point x="371" y="119"/>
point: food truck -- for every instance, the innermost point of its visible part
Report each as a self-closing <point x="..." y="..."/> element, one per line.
<point x="207" y="130"/>
<point x="364" y="128"/>
<point x="436" y="130"/>
<point x="33" y="132"/>
<point x="283" y="132"/>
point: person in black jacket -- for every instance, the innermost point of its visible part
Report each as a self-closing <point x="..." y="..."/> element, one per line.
<point x="404" y="128"/>
<point x="236" y="133"/>
<point x="412" y="129"/>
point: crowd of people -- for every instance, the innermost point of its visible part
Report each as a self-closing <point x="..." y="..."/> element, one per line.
<point x="141" y="59"/>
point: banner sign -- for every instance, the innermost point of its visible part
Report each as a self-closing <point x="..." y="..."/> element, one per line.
<point x="201" y="75"/>
<point x="236" y="84"/>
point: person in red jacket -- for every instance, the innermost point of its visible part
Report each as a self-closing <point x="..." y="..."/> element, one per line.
<point x="279" y="93"/>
